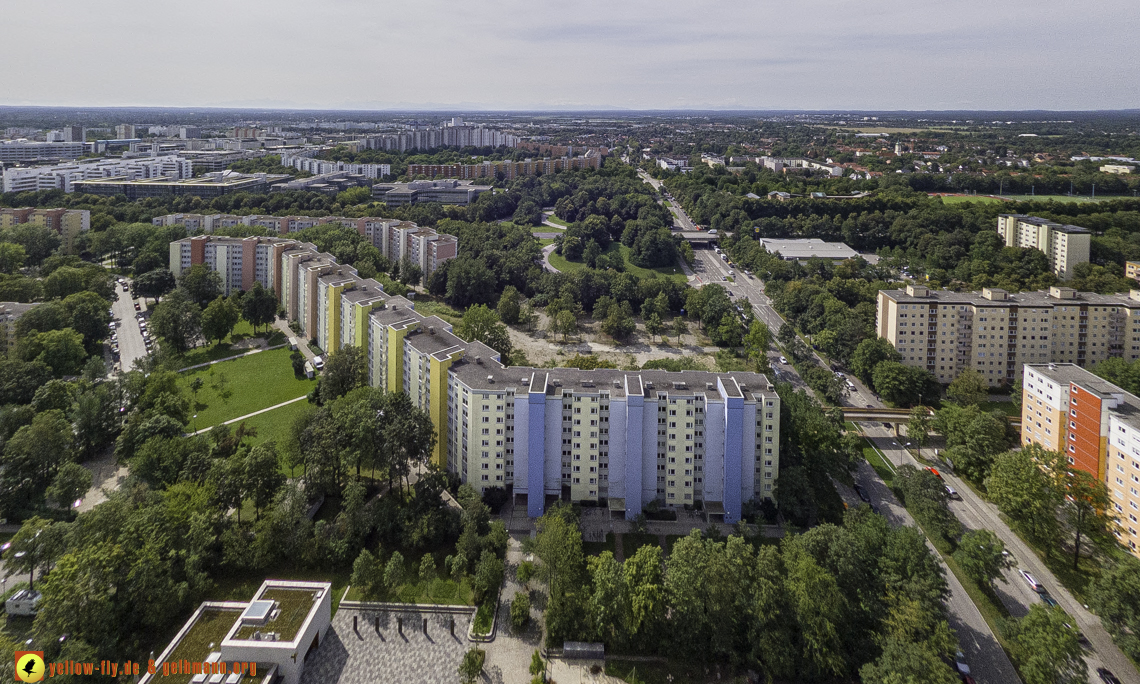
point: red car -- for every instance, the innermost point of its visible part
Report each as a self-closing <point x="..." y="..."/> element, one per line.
<point x="936" y="473"/>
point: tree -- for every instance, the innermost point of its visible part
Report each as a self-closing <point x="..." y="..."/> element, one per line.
<point x="509" y="308"/>
<point x="926" y="498"/>
<point x="488" y="577"/>
<point x="653" y="326"/>
<point x="71" y="482"/>
<point x="756" y="343"/>
<point x="1086" y="507"/>
<point x="1045" y="647"/>
<point x="969" y="388"/>
<point x="152" y="284"/>
<point x="482" y="324"/>
<point x="31" y="458"/>
<point x="201" y="284"/>
<point x="427" y="568"/>
<point x="870" y="353"/>
<point x="907" y="663"/>
<point x="1025" y="492"/>
<point x="1115" y="597"/>
<point x="64" y="281"/>
<point x="219" y="319"/>
<point x="472" y="665"/>
<point x="366" y="574"/>
<point x="394" y="571"/>
<point x="981" y="556"/>
<point x="730" y="331"/>
<point x="177" y="320"/>
<point x="619" y="322"/>
<point x="565" y="324"/>
<point x="297" y="359"/>
<point x="410" y="272"/>
<point x="520" y="611"/>
<point x="259" y="306"/>
<point x="36" y="546"/>
<point x="262" y="477"/>
<point x="11" y="257"/>
<point x="87" y="315"/>
<point x="345" y="370"/>
<point x="60" y="350"/>
<point x="918" y="427"/>
<point x="680" y="327"/>
<point x="904" y="385"/>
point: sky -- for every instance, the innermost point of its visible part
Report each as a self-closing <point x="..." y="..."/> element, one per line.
<point x="573" y="54"/>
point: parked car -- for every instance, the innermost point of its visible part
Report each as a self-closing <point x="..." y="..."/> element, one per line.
<point x="318" y="362"/>
<point x="137" y="307"/>
<point x="783" y="360"/>
<point x="950" y="492"/>
<point x="1048" y="600"/>
<point x="960" y="664"/>
<point x="112" y="325"/>
<point x="935" y="472"/>
<point x="1106" y="676"/>
<point x="862" y="494"/>
<point x="1032" y="582"/>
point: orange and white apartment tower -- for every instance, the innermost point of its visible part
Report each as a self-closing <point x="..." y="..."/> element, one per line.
<point x="1096" y="425"/>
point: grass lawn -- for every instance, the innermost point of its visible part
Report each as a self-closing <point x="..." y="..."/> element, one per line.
<point x="885" y="470"/>
<point x="959" y="199"/>
<point x="243" y="330"/>
<point x="557" y="221"/>
<point x="242" y="587"/>
<point x="633" y="541"/>
<point x="433" y="307"/>
<point x="211" y="628"/>
<point x="546" y="241"/>
<point x="1006" y="407"/>
<point x="235" y="388"/>
<point x="562" y="264"/>
<point x="955" y="199"/>
<point x="593" y="548"/>
<point x="672" y="672"/>
<point x="274" y="424"/>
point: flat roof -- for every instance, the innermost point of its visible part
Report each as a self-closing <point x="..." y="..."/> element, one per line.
<point x="1039" y="299"/>
<point x="807" y="248"/>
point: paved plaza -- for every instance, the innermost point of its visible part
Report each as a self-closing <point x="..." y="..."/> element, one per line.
<point x="368" y="657"/>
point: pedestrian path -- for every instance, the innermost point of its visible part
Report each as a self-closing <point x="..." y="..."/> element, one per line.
<point x="251" y="415"/>
<point x="229" y="358"/>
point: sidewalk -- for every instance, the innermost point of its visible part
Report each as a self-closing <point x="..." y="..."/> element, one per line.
<point x="250" y="415"/>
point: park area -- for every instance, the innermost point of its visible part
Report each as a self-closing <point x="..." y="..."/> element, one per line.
<point x="231" y="389"/>
<point x="566" y="266"/>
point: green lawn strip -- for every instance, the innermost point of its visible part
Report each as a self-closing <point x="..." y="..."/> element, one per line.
<point x="654" y="672"/>
<point x="562" y="264"/>
<point x="1006" y="407"/>
<point x="431" y="307"/>
<point x="243" y="330"/>
<point x="633" y="541"/>
<point x="594" y="548"/>
<point x="252" y="383"/>
<point x="557" y="221"/>
<point x="546" y="241"/>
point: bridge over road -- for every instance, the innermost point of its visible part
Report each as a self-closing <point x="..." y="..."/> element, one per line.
<point x="885" y="415"/>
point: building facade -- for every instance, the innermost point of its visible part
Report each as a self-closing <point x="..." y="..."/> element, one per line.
<point x="623" y="437"/>
<point x="1095" y="425"/>
<point x="996" y="333"/>
<point x="64" y="176"/>
<point x="30" y="150"/>
<point x="1066" y="246"/>
<point x="509" y="170"/>
<point x="396" y="240"/>
<point x="68" y="224"/>
<point x="442" y="191"/>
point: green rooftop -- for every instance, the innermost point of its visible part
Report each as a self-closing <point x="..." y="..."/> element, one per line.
<point x="293" y="605"/>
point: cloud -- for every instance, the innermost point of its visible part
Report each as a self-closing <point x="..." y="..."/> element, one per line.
<point x="521" y="54"/>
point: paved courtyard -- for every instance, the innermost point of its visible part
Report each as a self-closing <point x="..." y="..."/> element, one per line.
<point x="365" y="657"/>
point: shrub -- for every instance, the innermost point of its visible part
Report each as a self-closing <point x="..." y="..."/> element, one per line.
<point x="520" y="611"/>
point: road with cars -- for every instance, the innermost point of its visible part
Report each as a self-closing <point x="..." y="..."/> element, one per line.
<point x="127" y="335"/>
<point x="977" y="640"/>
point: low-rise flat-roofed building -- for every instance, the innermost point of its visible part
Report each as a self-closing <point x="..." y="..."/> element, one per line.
<point x="996" y="332"/>
<point x="30" y="150"/>
<point x="442" y="191"/>
<point x="271" y="636"/>
<point x="1095" y="425"/>
<point x="208" y="186"/>
<point x="1066" y="246"/>
<point x="805" y="249"/>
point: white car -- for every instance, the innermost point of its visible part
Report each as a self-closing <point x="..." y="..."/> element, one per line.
<point x="783" y="360"/>
<point x="1032" y="582"/>
<point x="318" y="362"/>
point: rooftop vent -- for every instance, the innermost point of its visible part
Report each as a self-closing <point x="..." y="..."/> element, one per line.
<point x="479" y="360"/>
<point x="649" y="385"/>
<point x="587" y="383"/>
<point x="679" y="386"/>
<point x="617" y="383"/>
<point x="490" y="378"/>
<point x="431" y="329"/>
<point x="524" y="380"/>
<point x="709" y="386"/>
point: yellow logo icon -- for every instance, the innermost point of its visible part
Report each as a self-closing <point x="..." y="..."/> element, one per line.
<point x="29" y="666"/>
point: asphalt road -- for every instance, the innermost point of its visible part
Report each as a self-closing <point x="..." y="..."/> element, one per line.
<point x="1015" y="593"/>
<point x="131" y="345"/>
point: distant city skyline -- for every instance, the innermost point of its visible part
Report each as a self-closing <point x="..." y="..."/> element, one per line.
<point x="590" y="55"/>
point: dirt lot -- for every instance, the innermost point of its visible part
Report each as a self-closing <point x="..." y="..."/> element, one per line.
<point x="544" y="348"/>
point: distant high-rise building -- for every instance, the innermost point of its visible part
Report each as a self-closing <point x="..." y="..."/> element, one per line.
<point x="74" y="134"/>
<point x="1066" y="246"/>
<point x="125" y="131"/>
<point x="244" y="132"/>
<point x="54" y="136"/>
<point x="189" y="132"/>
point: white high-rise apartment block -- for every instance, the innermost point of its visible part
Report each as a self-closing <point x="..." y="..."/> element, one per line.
<point x="1066" y="246"/>
<point x="62" y="176"/>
